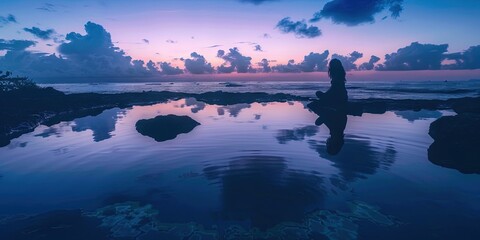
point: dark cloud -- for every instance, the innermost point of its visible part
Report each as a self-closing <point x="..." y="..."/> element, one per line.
<point x="42" y="34"/>
<point x="169" y="70"/>
<point x="469" y="59"/>
<point x="8" y="19"/>
<point x="47" y="7"/>
<point x="258" y="48"/>
<point x="370" y="64"/>
<point x="250" y="43"/>
<point x="256" y="2"/>
<point x="355" y="12"/>
<point x="152" y="67"/>
<point x="299" y="28"/>
<point x="234" y="60"/>
<point x="146" y="41"/>
<point x="416" y="56"/>
<point x="315" y="62"/>
<point x="96" y="53"/>
<point x="290" y="67"/>
<point x="197" y="64"/>
<point x="348" y="62"/>
<point x="265" y="66"/>
<point x="214" y="46"/>
<point x="171" y="41"/>
<point x="89" y="55"/>
<point x="15" y="45"/>
<point x="266" y="35"/>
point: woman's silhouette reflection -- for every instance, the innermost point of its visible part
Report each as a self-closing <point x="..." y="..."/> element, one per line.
<point x="331" y="107"/>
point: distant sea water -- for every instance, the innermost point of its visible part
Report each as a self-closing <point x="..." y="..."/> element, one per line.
<point x="356" y="89"/>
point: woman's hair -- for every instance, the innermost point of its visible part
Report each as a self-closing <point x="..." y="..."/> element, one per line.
<point x="336" y="72"/>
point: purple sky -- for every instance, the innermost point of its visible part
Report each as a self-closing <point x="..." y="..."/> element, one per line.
<point x="417" y="35"/>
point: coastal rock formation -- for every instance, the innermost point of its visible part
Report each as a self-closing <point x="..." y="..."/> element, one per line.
<point x="163" y="128"/>
<point x="457" y="142"/>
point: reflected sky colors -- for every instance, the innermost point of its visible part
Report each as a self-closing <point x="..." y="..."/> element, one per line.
<point x="270" y="168"/>
<point x="168" y="30"/>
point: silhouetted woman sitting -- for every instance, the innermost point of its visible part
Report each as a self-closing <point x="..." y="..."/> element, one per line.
<point x="336" y="97"/>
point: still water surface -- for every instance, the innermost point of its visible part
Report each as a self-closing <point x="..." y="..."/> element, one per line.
<point x="249" y="171"/>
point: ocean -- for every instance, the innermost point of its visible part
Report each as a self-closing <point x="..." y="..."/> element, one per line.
<point x="356" y="89"/>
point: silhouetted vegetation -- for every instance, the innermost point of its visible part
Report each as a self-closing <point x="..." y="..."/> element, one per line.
<point x="9" y="83"/>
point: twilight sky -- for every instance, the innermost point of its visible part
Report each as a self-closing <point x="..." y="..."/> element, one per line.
<point x="223" y="36"/>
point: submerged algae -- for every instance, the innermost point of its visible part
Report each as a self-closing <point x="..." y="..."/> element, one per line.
<point x="133" y="220"/>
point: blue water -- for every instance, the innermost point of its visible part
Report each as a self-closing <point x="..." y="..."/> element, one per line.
<point x="249" y="171"/>
<point x="356" y="89"/>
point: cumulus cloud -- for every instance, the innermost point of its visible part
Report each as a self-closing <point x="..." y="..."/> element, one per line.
<point x="315" y="62"/>
<point x="290" y="67"/>
<point x="15" y="45"/>
<point x="234" y="60"/>
<point x="256" y="2"/>
<point x="348" y="62"/>
<point x="152" y="67"/>
<point x="8" y="19"/>
<point x="169" y="70"/>
<point x="469" y="59"/>
<point x="42" y="34"/>
<point x="96" y="53"/>
<point x="299" y="28"/>
<point x="416" y="56"/>
<point x="197" y="64"/>
<point x="89" y="55"/>
<point x="354" y="12"/>
<point x="265" y="65"/>
<point x="258" y="48"/>
<point x="370" y="64"/>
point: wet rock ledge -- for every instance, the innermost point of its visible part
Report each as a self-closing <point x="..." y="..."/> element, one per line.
<point x="457" y="141"/>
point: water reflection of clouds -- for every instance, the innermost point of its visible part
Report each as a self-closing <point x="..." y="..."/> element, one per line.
<point x="411" y="116"/>
<point x="359" y="158"/>
<point x="101" y="125"/>
<point x="264" y="190"/>
<point x="56" y="130"/>
<point x="234" y="110"/>
<point x="196" y="105"/>
<point x="296" y="134"/>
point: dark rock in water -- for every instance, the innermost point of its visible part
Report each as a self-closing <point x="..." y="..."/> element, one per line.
<point x="163" y="128"/>
<point x="467" y="105"/>
<point x="457" y="142"/>
<point x="233" y="85"/>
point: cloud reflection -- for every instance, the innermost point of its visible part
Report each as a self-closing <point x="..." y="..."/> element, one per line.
<point x="263" y="190"/>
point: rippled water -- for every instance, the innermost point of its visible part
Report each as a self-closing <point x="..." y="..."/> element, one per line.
<point x="249" y="171"/>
